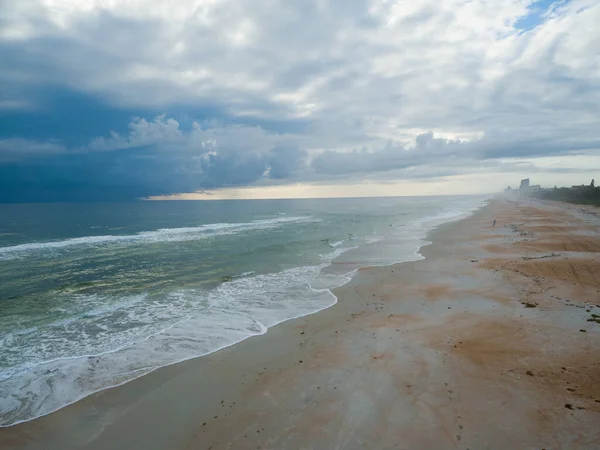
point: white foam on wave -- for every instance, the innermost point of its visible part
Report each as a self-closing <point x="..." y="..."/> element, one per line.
<point x="160" y="235"/>
<point x="373" y="239"/>
<point x="457" y="212"/>
<point x="245" y="274"/>
<point x="114" y="344"/>
<point x="111" y="345"/>
<point x="412" y="236"/>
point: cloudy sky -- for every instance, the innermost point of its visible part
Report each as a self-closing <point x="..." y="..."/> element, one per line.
<point x="125" y="99"/>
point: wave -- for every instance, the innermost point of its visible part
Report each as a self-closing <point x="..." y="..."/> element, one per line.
<point x="155" y="236"/>
<point x="101" y="348"/>
<point x="121" y="339"/>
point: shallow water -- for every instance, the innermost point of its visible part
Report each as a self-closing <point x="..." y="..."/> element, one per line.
<point x="94" y="295"/>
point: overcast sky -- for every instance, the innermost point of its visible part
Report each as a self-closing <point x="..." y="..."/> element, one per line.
<point x="125" y="99"/>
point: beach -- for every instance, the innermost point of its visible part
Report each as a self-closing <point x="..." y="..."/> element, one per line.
<point x="489" y="342"/>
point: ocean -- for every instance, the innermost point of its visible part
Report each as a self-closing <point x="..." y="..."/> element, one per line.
<point x="95" y="295"/>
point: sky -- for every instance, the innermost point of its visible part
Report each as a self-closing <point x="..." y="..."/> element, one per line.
<point x="117" y="100"/>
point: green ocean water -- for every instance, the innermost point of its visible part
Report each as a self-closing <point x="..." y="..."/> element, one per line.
<point x="94" y="295"/>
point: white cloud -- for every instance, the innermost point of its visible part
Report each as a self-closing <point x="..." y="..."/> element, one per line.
<point x="370" y="74"/>
<point x="161" y="131"/>
<point x="166" y="133"/>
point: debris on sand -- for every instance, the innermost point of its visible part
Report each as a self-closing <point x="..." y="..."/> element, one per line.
<point x="529" y="305"/>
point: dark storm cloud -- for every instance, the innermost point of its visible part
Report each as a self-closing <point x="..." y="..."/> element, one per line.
<point x="285" y="161"/>
<point x="156" y="157"/>
<point x="123" y="100"/>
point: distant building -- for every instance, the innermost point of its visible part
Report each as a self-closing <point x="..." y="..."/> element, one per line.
<point x="524" y="184"/>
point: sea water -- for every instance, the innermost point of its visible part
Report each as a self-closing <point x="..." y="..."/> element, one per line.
<point x="95" y="295"/>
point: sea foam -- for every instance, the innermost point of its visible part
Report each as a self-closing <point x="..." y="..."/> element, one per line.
<point x="160" y="235"/>
<point x="103" y="341"/>
<point x="110" y="345"/>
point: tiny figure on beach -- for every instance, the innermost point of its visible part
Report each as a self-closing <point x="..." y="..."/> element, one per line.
<point x="494" y="224"/>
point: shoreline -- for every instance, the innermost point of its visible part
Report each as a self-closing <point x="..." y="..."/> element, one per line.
<point x="335" y="378"/>
<point x="346" y="276"/>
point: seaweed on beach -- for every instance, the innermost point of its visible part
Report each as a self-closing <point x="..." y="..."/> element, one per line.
<point x="529" y="305"/>
<point x="594" y="318"/>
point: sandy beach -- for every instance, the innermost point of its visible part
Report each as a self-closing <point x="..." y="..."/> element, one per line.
<point x="490" y="342"/>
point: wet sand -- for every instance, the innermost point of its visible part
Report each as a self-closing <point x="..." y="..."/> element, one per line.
<point x="488" y="343"/>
